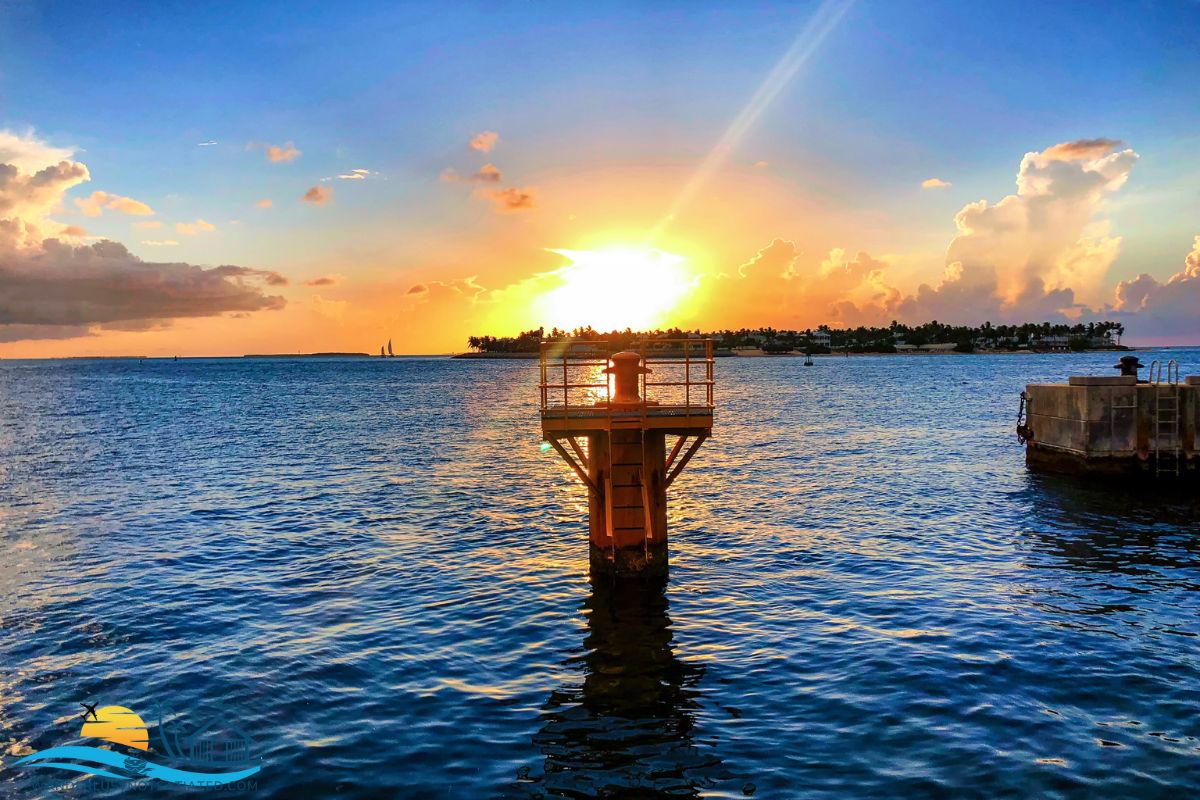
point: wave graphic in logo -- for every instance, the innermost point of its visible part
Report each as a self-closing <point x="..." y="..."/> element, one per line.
<point x="125" y="768"/>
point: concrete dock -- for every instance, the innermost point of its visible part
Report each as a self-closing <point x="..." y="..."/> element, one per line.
<point x="1114" y="426"/>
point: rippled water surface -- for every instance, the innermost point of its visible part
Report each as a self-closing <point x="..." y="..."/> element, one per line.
<point x="372" y="569"/>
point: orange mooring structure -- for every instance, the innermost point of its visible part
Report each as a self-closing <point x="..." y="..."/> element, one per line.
<point x="610" y="417"/>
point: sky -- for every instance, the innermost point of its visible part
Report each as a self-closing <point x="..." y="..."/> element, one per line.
<point x="181" y="180"/>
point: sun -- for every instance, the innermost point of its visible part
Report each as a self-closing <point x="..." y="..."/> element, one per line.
<point x="616" y="288"/>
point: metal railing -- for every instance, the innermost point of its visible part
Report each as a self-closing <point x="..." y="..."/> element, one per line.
<point x="569" y="369"/>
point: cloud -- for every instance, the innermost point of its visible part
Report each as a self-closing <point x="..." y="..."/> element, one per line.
<point x="488" y="173"/>
<point x="28" y="153"/>
<point x="193" y="228"/>
<point x="1081" y="149"/>
<point x="148" y="224"/>
<point x="324" y="280"/>
<point x="209" y="143"/>
<point x="26" y="201"/>
<point x="160" y="242"/>
<point x="50" y="289"/>
<point x="1046" y="234"/>
<point x="318" y="195"/>
<point x="778" y="258"/>
<point x="1171" y="308"/>
<point x="935" y="183"/>
<point x="73" y="230"/>
<point x="265" y="203"/>
<point x="282" y="154"/>
<point x="1040" y="254"/>
<point x="484" y="141"/>
<point x="511" y="200"/>
<point x="275" y="279"/>
<point x="761" y="165"/>
<point x="94" y="204"/>
<point x="461" y="288"/>
<point x="104" y="283"/>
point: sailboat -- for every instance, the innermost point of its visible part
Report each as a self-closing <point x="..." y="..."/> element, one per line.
<point x="381" y="351"/>
<point x="390" y="353"/>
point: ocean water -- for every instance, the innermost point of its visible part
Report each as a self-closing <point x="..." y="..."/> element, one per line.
<point x="372" y="572"/>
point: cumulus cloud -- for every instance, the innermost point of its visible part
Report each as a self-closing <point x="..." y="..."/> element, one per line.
<point x="26" y="200"/>
<point x="778" y="258"/>
<point x="935" y="183"/>
<point x="28" y="153"/>
<point x="1171" y="308"/>
<point x="193" y="228"/>
<point x="265" y="203"/>
<point x="52" y="289"/>
<point x="282" y="154"/>
<point x="95" y="203"/>
<point x="484" y="141"/>
<point x="488" y="173"/>
<point x="510" y="200"/>
<point x="1042" y="253"/>
<point x="324" y="280"/>
<point x="73" y="231"/>
<point x="318" y="195"/>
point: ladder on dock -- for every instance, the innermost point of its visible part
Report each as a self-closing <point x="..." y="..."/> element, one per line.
<point x="1166" y="417"/>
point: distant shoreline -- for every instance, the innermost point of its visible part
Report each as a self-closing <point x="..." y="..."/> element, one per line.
<point x="794" y="354"/>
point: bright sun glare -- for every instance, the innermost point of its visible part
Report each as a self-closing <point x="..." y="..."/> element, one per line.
<point x="615" y="289"/>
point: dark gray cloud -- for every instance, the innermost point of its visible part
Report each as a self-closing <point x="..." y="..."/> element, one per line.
<point x="104" y="283"/>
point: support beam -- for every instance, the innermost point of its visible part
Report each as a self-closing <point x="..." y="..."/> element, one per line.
<point x="562" y="451"/>
<point x="675" y="450"/>
<point x="583" y="459"/>
<point x="691" y="451"/>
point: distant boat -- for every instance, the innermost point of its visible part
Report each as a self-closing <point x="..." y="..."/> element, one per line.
<point x="390" y="353"/>
<point x="381" y="355"/>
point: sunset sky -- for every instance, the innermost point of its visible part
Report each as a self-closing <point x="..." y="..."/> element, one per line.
<point x="185" y="179"/>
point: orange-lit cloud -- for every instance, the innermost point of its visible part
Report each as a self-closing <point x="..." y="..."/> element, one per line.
<point x="282" y="154"/>
<point x="318" y="195"/>
<point x="778" y="258"/>
<point x="94" y="204"/>
<point x="265" y="203"/>
<point x="148" y="224"/>
<point x="484" y="141"/>
<point x="935" y="183"/>
<point x="193" y="228"/>
<point x="510" y="200"/>
<point x="488" y="173"/>
<point x="324" y="280"/>
<point x="1081" y="149"/>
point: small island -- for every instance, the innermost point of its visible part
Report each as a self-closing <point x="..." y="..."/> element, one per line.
<point x="897" y="338"/>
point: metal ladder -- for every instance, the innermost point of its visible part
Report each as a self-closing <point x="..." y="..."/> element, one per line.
<point x="1166" y="417"/>
<point x="617" y="424"/>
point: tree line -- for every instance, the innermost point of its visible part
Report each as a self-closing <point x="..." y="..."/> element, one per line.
<point x="862" y="339"/>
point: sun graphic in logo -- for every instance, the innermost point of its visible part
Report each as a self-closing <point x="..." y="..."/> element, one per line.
<point x="116" y="724"/>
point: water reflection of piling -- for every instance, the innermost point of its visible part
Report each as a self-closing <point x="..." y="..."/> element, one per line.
<point x="628" y="730"/>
